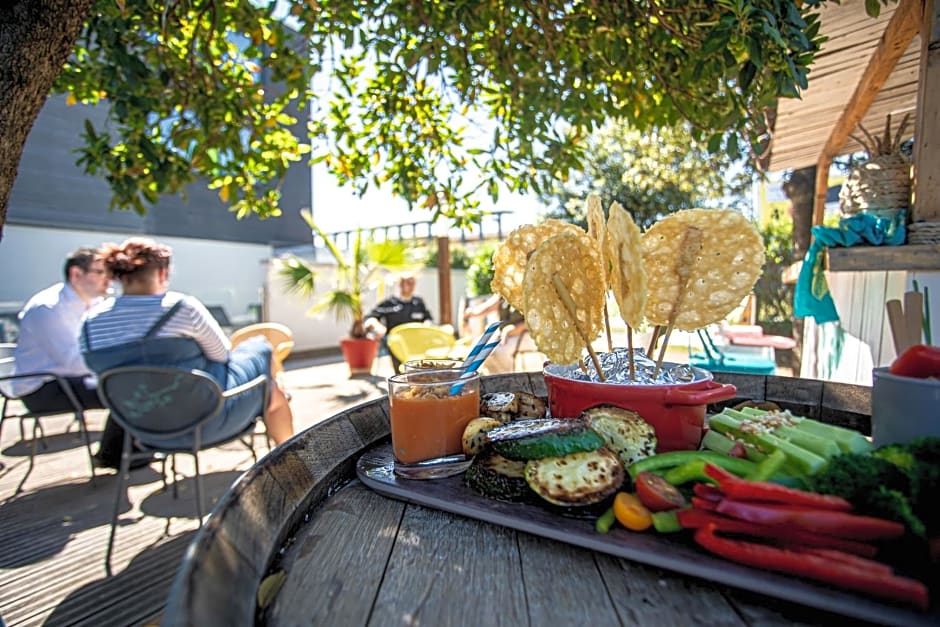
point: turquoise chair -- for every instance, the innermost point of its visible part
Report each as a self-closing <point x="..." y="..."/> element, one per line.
<point x="717" y="360"/>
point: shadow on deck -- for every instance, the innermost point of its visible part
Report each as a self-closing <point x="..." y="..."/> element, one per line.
<point x="54" y="533"/>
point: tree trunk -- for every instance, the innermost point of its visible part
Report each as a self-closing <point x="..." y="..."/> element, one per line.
<point x="36" y="38"/>
<point x="800" y="188"/>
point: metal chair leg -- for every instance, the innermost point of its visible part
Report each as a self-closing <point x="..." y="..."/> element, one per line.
<point x="91" y="458"/>
<point x="176" y="493"/>
<point x="122" y="477"/>
<point x="198" y="487"/>
<point x="32" y="458"/>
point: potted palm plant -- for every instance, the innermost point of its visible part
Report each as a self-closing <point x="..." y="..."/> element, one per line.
<point x="367" y="262"/>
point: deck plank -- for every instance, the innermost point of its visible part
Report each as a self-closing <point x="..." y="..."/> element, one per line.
<point x="53" y="534"/>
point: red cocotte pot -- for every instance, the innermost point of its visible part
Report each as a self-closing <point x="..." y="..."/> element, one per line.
<point x="676" y="411"/>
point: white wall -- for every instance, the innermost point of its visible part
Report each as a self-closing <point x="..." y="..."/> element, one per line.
<point x="860" y="299"/>
<point x="229" y="274"/>
<point x="313" y="331"/>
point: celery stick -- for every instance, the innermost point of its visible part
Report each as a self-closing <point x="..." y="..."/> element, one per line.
<point x="848" y="440"/>
<point x="827" y="449"/>
<point x="806" y="462"/>
<point x="717" y="442"/>
<point x="714" y="441"/>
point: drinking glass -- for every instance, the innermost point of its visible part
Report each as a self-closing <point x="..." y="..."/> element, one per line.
<point x="428" y="415"/>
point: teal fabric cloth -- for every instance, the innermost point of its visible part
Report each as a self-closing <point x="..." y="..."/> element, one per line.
<point x="811" y="297"/>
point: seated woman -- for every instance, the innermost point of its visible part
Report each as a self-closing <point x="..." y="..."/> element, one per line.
<point x="139" y="327"/>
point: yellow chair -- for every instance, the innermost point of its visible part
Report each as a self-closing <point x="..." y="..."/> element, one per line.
<point x="279" y="335"/>
<point x="413" y="340"/>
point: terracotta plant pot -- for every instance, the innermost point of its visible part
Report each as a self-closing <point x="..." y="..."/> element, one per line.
<point x="359" y="353"/>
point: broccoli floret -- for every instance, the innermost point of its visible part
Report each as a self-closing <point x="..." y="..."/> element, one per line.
<point x="893" y="505"/>
<point x="920" y="461"/>
<point x="854" y="476"/>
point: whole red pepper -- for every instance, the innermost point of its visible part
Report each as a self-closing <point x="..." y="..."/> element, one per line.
<point x="846" y="574"/>
<point x="920" y="361"/>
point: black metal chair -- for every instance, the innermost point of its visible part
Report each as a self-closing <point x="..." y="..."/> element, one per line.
<point x="157" y="406"/>
<point x="11" y="410"/>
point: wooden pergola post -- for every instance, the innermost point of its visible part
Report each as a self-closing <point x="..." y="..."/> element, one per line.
<point x="903" y="26"/>
<point x="443" y="280"/>
<point x="926" y="206"/>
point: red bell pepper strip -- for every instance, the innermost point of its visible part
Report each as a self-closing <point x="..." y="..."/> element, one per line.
<point x="838" y="524"/>
<point x="704" y="504"/>
<point x="695" y="519"/>
<point x="707" y="492"/>
<point x="744" y="490"/>
<point x="920" y="361"/>
<point x="836" y="573"/>
<point x="846" y="558"/>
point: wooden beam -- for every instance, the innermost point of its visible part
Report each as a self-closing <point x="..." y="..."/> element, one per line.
<point x="927" y="129"/>
<point x="904" y="24"/>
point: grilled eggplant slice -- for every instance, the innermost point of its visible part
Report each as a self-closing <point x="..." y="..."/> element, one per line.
<point x="543" y="437"/>
<point x="503" y="406"/>
<point x="496" y="477"/>
<point x="475" y="437"/>
<point x="626" y="433"/>
<point x="531" y="406"/>
<point x="577" y="479"/>
<point x="509" y="406"/>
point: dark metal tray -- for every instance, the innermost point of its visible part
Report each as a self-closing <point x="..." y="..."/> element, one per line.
<point x="675" y="552"/>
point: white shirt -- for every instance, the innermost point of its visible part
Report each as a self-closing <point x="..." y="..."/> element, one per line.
<point x="48" y="337"/>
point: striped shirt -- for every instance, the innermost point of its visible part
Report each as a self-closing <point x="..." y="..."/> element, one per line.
<point x="127" y="318"/>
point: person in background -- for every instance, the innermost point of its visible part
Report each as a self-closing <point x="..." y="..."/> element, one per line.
<point x="391" y="312"/>
<point x="49" y="326"/>
<point x="113" y="331"/>
<point x="513" y="335"/>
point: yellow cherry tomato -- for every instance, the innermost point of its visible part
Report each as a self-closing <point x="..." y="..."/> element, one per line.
<point x="631" y="513"/>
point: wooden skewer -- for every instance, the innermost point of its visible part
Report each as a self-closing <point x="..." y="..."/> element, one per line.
<point x="914" y="317"/>
<point x="691" y="244"/>
<point x="566" y="298"/>
<point x="610" y="341"/>
<point x="662" y="350"/>
<point x="656" y="331"/>
<point x="897" y="323"/>
<point x="630" y="352"/>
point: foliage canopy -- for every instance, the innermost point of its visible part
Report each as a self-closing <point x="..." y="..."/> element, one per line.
<point x="437" y="100"/>
<point x="650" y="174"/>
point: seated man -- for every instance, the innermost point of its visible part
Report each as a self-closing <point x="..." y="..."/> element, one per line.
<point x="391" y="312"/>
<point x="48" y="342"/>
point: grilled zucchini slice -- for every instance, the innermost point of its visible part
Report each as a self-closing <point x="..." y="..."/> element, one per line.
<point x="475" y="436"/>
<point x="496" y="477"/>
<point x="625" y="431"/>
<point x="575" y="480"/>
<point x="543" y="437"/>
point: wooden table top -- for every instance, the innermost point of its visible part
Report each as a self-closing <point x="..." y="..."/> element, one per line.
<point x="332" y="551"/>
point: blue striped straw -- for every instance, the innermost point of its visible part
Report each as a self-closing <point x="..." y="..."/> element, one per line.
<point x="478" y="354"/>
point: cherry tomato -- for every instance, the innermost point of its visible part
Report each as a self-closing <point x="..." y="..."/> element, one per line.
<point x="919" y="361"/>
<point x="657" y="494"/>
<point x="630" y="512"/>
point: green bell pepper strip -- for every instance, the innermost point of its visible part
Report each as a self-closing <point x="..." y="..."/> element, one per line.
<point x="662" y="461"/>
<point x="605" y="521"/>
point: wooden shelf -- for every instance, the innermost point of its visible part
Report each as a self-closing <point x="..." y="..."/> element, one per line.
<point x="861" y="258"/>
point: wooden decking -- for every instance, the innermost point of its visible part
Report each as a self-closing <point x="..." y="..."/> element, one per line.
<point x="53" y="533"/>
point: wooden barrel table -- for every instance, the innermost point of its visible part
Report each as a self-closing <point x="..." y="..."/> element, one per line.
<point x="330" y="551"/>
